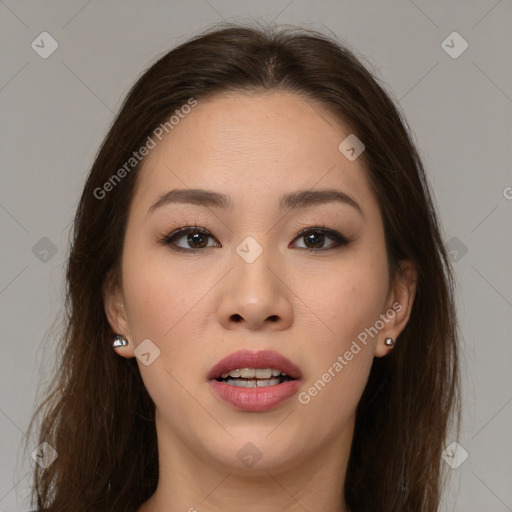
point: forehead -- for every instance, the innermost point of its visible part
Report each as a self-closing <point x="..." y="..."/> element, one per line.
<point x="254" y="146"/>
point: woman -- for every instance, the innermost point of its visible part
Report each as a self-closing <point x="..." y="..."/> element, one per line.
<point x="260" y="305"/>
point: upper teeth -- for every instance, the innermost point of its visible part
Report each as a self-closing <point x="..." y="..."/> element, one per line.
<point x="253" y="373"/>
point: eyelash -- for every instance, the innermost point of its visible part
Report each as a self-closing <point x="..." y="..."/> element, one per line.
<point x="338" y="238"/>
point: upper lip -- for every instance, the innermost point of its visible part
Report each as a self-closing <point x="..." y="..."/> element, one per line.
<point x="255" y="359"/>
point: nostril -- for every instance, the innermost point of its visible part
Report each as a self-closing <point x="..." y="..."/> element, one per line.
<point x="236" y="318"/>
<point x="273" y="318"/>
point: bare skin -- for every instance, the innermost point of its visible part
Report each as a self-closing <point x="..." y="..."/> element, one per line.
<point x="198" y="307"/>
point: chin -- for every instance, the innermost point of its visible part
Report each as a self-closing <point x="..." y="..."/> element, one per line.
<point x="252" y="451"/>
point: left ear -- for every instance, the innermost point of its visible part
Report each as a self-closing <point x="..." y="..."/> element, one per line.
<point x="398" y="306"/>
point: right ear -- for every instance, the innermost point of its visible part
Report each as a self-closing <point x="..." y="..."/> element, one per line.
<point x="113" y="302"/>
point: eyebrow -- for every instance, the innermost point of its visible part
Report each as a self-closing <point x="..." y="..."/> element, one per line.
<point x="293" y="200"/>
<point x="197" y="196"/>
<point x="305" y="198"/>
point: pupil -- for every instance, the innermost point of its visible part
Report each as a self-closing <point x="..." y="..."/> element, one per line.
<point x="197" y="239"/>
<point x="317" y="239"/>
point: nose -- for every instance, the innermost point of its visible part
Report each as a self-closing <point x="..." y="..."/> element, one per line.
<point x="254" y="296"/>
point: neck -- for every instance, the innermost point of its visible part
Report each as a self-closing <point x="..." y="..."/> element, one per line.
<point x="189" y="482"/>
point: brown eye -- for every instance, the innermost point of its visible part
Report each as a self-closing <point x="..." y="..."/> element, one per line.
<point x="197" y="240"/>
<point x="315" y="239"/>
<point x="190" y="239"/>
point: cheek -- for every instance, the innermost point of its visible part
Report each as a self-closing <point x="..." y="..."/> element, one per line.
<point x="164" y="304"/>
<point x="345" y="304"/>
<point x="346" y="298"/>
<point x="156" y="292"/>
<point x="167" y="303"/>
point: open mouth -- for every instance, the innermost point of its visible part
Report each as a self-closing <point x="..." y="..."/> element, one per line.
<point x="254" y="377"/>
<point x="255" y="381"/>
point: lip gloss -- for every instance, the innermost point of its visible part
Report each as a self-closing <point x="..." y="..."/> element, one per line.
<point x="256" y="399"/>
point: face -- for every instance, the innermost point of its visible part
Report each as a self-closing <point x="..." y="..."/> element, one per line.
<point x="262" y="268"/>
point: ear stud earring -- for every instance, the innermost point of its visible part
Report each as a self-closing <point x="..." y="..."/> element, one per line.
<point x="389" y="342"/>
<point x="119" y="341"/>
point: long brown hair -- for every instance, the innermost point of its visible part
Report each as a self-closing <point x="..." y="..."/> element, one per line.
<point x="98" y="415"/>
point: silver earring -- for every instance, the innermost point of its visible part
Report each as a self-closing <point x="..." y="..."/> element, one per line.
<point x="389" y="342"/>
<point x="119" y="341"/>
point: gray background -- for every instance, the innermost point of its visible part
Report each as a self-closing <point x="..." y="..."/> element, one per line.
<point x="56" y="111"/>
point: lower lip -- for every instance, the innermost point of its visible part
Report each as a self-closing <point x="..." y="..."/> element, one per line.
<point x="256" y="399"/>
